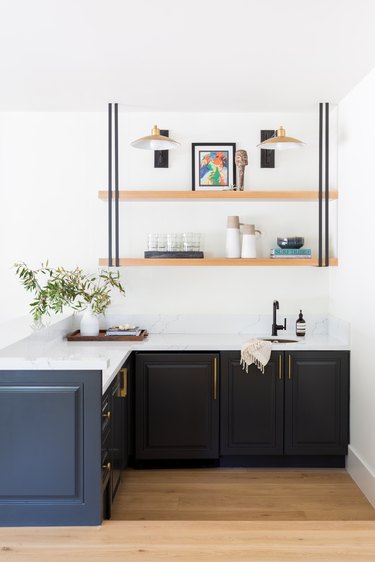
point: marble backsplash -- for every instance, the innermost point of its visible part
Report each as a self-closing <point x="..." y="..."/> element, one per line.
<point x="252" y="324"/>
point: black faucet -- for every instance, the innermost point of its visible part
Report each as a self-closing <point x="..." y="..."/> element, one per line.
<point x="276" y="326"/>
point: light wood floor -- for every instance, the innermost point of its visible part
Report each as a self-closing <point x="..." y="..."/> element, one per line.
<point x="240" y="495"/>
<point x="194" y="541"/>
<point x="306" y="494"/>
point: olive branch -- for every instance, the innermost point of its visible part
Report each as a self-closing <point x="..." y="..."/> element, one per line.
<point x="55" y="288"/>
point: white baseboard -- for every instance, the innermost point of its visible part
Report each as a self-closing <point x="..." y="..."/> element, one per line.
<point x="361" y="474"/>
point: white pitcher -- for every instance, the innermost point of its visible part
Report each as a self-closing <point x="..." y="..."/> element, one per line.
<point x="249" y="249"/>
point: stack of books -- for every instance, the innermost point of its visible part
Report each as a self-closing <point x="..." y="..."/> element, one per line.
<point x="291" y="253"/>
<point x="123" y="331"/>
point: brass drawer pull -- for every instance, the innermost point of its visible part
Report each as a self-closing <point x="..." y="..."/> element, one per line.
<point x="107" y="415"/>
<point x="289" y="367"/>
<point x="123" y="389"/>
<point x="215" y="378"/>
<point x="280" y="367"/>
<point x="107" y="466"/>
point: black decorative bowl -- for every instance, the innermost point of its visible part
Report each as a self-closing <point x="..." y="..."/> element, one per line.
<point x="292" y="243"/>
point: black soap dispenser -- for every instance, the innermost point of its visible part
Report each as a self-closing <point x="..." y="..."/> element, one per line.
<point x="300" y="325"/>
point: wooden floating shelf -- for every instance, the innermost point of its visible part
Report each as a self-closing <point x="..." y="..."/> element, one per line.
<point x="201" y="195"/>
<point x="149" y="262"/>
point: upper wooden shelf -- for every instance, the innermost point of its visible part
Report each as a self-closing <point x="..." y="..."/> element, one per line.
<point x="140" y="195"/>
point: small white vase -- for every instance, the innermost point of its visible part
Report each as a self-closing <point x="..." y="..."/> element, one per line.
<point x="89" y="323"/>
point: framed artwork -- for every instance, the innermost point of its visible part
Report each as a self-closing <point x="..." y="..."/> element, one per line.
<point x="213" y="165"/>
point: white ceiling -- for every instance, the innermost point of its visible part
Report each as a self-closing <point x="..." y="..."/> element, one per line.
<point x="175" y="55"/>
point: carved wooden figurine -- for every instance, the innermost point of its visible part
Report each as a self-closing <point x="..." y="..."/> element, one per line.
<point x="241" y="160"/>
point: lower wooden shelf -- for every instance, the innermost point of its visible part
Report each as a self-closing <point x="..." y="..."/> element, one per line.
<point x="204" y="262"/>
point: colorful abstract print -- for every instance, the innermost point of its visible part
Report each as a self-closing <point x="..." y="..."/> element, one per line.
<point x="213" y="168"/>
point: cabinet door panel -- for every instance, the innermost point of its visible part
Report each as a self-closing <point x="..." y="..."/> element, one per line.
<point x="117" y="435"/>
<point x="251" y="407"/>
<point x="176" y="413"/>
<point x="48" y="448"/>
<point x="317" y="402"/>
<point x="50" y="441"/>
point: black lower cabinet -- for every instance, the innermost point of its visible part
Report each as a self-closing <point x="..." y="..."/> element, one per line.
<point x="252" y="407"/>
<point x="116" y="423"/>
<point x="177" y="406"/>
<point x="117" y="448"/>
<point x="106" y="460"/>
<point x="316" y="403"/>
<point x="50" y="439"/>
<point x="297" y="409"/>
<point x="183" y="404"/>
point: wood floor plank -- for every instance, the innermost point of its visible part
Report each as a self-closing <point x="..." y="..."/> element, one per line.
<point x="193" y="542"/>
<point x="240" y="494"/>
<point x="212" y="515"/>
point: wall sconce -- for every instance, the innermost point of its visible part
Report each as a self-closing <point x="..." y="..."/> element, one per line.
<point x="281" y="142"/>
<point x="158" y="141"/>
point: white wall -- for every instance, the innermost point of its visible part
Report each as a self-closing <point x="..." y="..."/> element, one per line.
<point x="53" y="164"/>
<point x="352" y="283"/>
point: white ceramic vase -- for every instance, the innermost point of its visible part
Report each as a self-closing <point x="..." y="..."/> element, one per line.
<point x="233" y="243"/>
<point x="89" y="323"/>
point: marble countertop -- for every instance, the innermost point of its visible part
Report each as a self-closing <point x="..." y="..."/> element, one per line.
<point x="58" y="354"/>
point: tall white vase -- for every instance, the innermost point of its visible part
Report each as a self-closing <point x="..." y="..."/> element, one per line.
<point x="233" y="244"/>
<point x="89" y="323"/>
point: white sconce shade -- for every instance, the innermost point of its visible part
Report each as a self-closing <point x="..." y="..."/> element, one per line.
<point x="281" y="142"/>
<point x="155" y="141"/>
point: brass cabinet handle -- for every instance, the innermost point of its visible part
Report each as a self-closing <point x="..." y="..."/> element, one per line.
<point x="108" y="466"/>
<point x="107" y="415"/>
<point x="289" y="367"/>
<point x="280" y="367"/>
<point x="215" y="378"/>
<point x="123" y="389"/>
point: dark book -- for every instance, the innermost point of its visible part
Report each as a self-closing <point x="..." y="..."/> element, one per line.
<point x="165" y="254"/>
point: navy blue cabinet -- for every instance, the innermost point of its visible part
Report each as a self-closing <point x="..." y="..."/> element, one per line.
<point x="50" y="438"/>
<point x="117" y="434"/>
<point x="177" y="405"/>
<point x="252" y="407"/>
<point x="316" y="402"/>
<point x="117" y="429"/>
<point x="298" y="407"/>
<point x="120" y="425"/>
<point x="64" y="446"/>
<point x="116" y="425"/>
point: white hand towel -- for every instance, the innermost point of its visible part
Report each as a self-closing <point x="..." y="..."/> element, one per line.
<point x="257" y="352"/>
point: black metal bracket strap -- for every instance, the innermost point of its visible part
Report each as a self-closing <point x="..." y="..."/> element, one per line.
<point x="161" y="157"/>
<point x="326" y="186"/>
<point x="267" y="157"/>
<point x="113" y="163"/>
<point x="323" y="150"/>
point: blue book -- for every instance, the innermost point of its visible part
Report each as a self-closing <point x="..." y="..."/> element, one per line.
<point x="291" y="252"/>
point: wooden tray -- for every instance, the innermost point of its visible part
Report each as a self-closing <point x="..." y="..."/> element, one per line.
<point x="76" y="336"/>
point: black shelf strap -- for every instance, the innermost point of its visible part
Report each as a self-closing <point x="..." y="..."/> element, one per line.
<point x="113" y="163"/>
<point x="320" y="184"/>
<point x="110" y="185"/>
<point x="326" y="187"/>
<point x="323" y="165"/>
<point x="117" y="221"/>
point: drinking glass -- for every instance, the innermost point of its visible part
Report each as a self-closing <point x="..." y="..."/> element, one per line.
<point x="152" y="241"/>
<point x="191" y="241"/>
<point x="186" y="238"/>
<point x="173" y="242"/>
<point x="162" y="242"/>
<point x="196" y="241"/>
